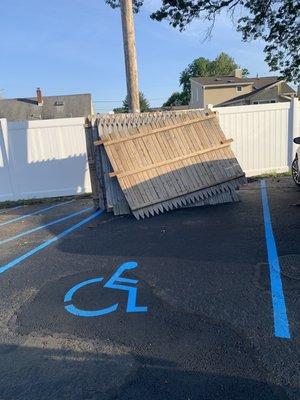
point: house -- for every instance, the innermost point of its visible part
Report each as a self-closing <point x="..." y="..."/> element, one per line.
<point x="237" y="90"/>
<point x="46" y="107"/>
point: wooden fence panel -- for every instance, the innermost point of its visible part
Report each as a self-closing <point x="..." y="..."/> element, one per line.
<point x="167" y="160"/>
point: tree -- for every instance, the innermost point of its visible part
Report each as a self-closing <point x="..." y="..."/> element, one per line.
<point x="144" y="105"/>
<point x="222" y="65"/>
<point x="176" y="99"/>
<point x="276" y="22"/>
<point x="116" y="3"/>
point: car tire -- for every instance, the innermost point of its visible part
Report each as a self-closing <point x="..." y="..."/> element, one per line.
<point x="295" y="171"/>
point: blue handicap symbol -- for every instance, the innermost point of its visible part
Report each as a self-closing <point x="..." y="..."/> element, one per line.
<point x="117" y="282"/>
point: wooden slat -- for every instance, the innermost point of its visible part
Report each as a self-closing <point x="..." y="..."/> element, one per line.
<point x="152" y="166"/>
<point x="154" y="131"/>
<point x="190" y="193"/>
<point x="166" y="160"/>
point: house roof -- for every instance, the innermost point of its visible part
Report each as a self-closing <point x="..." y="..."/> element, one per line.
<point x="264" y="81"/>
<point x="258" y="82"/>
<point x="24" y="109"/>
<point x="220" y="80"/>
<point x="285" y="89"/>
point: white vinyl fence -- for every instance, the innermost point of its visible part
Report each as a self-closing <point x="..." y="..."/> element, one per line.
<point x="44" y="158"/>
<point x="262" y="135"/>
<point x="47" y="158"/>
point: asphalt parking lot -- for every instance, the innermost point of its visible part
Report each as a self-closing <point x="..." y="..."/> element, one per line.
<point x="200" y="324"/>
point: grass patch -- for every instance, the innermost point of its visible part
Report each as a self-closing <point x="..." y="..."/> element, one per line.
<point x="269" y="175"/>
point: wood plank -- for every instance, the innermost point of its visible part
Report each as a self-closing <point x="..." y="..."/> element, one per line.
<point x="92" y="164"/>
<point x="154" y="131"/>
<point x="166" y="162"/>
<point x="190" y="193"/>
<point x="163" y="161"/>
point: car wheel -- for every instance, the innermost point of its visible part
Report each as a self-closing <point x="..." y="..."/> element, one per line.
<point x="295" y="171"/>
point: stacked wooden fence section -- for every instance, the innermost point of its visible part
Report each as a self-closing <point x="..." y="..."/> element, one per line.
<point x="154" y="162"/>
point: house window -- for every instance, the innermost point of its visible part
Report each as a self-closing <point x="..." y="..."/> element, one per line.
<point x="239" y="88"/>
<point x="264" y="101"/>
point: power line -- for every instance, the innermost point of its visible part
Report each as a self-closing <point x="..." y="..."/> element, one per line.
<point x="107" y="101"/>
<point x="121" y="101"/>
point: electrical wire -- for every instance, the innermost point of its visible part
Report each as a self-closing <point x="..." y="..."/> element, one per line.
<point x="121" y="101"/>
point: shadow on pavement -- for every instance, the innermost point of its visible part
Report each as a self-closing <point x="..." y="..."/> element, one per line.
<point x="79" y="371"/>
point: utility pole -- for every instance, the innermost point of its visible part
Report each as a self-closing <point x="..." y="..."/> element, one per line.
<point x="130" y="55"/>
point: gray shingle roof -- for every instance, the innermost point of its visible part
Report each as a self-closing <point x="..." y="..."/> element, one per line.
<point x="219" y="80"/>
<point x="265" y="81"/>
<point x="227" y="80"/>
<point x="24" y="109"/>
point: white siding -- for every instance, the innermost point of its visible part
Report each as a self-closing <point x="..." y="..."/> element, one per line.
<point x="196" y="95"/>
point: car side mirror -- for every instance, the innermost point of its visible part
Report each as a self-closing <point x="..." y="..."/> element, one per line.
<point x="297" y="140"/>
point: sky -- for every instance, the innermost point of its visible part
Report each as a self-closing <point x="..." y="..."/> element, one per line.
<point x="75" y="46"/>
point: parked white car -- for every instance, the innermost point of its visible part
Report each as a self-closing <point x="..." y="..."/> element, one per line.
<point x="296" y="163"/>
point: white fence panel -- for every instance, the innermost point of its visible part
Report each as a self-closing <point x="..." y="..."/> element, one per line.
<point x="298" y="120"/>
<point x="47" y="158"/>
<point x="6" y="188"/>
<point x="261" y="135"/>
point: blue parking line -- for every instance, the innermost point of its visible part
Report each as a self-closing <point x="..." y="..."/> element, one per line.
<point x="48" y="242"/>
<point x="10" y="209"/>
<point x="56" y="221"/>
<point x="35" y="212"/>
<point x="281" y="323"/>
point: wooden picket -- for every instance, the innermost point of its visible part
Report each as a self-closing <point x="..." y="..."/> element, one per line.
<point x="160" y="161"/>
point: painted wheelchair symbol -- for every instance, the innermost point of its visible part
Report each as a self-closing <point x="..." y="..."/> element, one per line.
<point x="115" y="282"/>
